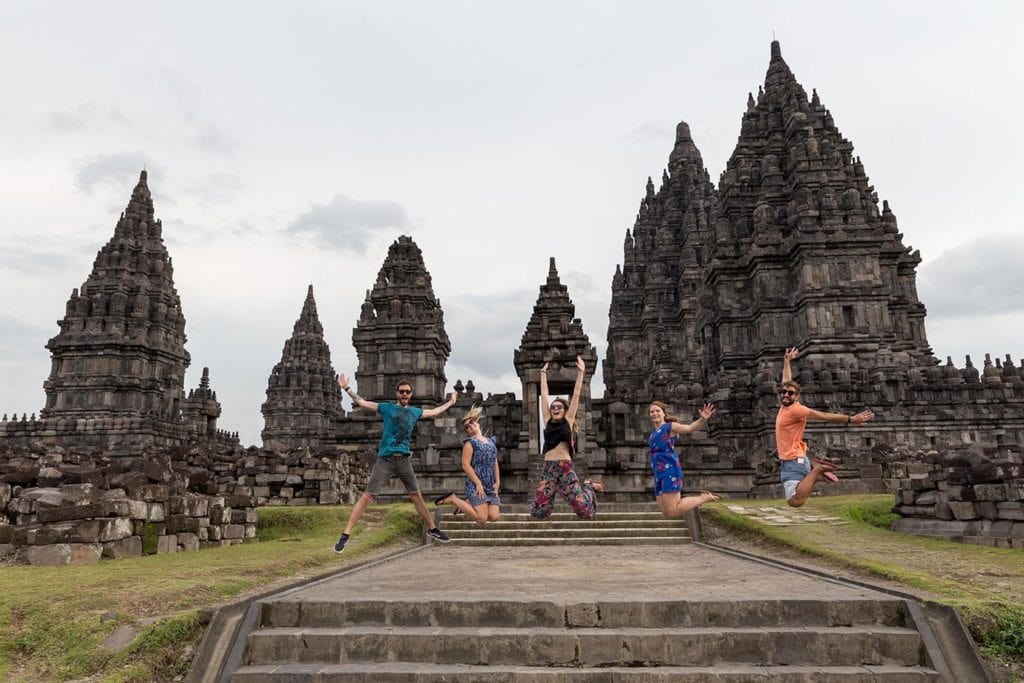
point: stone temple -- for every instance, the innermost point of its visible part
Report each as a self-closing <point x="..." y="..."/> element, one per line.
<point x="791" y="247"/>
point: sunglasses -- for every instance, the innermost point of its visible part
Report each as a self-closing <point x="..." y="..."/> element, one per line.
<point x="405" y="392"/>
<point x="789" y="392"/>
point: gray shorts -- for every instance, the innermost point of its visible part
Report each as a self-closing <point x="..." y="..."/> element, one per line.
<point x="388" y="466"/>
<point x="792" y="473"/>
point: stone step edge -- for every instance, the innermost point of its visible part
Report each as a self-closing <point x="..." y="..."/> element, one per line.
<point x="583" y="632"/>
<point x="742" y="670"/>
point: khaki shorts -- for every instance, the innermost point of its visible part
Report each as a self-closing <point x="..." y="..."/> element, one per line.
<point x="388" y="466"/>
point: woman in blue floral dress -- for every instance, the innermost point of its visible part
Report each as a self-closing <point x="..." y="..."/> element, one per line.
<point x="483" y="477"/>
<point x="668" y="475"/>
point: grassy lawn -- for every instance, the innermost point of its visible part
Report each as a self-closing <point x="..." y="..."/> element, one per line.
<point x="985" y="584"/>
<point x="53" y="619"/>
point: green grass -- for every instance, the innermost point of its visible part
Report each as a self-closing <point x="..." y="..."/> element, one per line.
<point x="985" y="584"/>
<point x="53" y="619"/>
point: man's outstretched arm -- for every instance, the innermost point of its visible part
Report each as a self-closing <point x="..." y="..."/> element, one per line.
<point x="858" y="419"/>
<point x="787" y="371"/>
<point x="434" y="412"/>
<point x="356" y="398"/>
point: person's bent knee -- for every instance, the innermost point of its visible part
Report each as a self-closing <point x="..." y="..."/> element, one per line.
<point x="370" y="498"/>
<point x="481" y="520"/>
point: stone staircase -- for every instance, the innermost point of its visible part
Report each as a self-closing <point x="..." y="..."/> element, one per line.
<point x="615" y="524"/>
<point x="727" y="641"/>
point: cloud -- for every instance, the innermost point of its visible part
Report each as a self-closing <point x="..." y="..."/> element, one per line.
<point x="979" y="278"/>
<point x="122" y="170"/>
<point x="213" y="138"/>
<point x="346" y="223"/>
<point x="35" y="261"/>
<point x="208" y="134"/>
<point x="486" y="329"/>
<point x="217" y="188"/>
<point x="82" y="117"/>
<point x="653" y="131"/>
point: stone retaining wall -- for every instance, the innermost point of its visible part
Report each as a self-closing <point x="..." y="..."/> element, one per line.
<point x="963" y="495"/>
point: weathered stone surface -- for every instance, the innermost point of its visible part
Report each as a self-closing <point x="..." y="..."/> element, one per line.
<point x="64" y="553"/>
<point x="167" y="544"/>
<point x="126" y="547"/>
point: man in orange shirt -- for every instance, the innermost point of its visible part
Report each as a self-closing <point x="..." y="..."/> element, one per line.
<point x="798" y="474"/>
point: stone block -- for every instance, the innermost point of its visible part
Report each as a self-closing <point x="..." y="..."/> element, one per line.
<point x="1002" y="528"/>
<point x="293" y="480"/>
<point x="204" y="534"/>
<point x="179" y="523"/>
<point x="49" y="476"/>
<point x="1017" y="530"/>
<point x="1014" y="490"/>
<point x="963" y="510"/>
<point x="166" y="544"/>
<point x="990" y="492"/>
<point x="215" y="533"/>
<point x="153" y="493"/>
<point x="582" y="615"/>
<point x="986" y="509"/>
<point x="188" y="541"/>
<point x="115" y="529"/>
<point x="261" y="491"/>
<point x="196" y="506"/>
<point x="232" y="531"/>
<point x="926" y="498"/>
<point x="295" y="502"/>
<point x="156" y="512"/>
<point x="250" y="531"/>
<point x="1014" y="510"/>
<point x="5" y="495"/>
<point x="60" y="554"/>
<point x="126" y="547"/>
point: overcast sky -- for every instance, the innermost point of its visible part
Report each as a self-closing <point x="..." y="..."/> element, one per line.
<point x="290" y="144"/>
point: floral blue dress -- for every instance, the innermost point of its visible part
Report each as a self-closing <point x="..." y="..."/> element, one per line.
<point x="485" y="454"/>
<point x="668" y="475"/>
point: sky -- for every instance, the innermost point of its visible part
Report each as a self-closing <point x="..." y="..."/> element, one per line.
<point x="289" y="145"/>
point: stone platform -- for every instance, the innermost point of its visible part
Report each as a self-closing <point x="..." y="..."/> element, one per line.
<point x="682" y="612"/>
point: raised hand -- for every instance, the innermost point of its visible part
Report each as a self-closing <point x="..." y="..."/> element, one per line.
<point x="862" y="417"/>
<point x="544" y="368"/>
<point x="707" y="411"/>
<point x="791" y="353"/>
<point x="454" y="397"/>
<point x="343" y="381"/>
<point x="580" y="365"/>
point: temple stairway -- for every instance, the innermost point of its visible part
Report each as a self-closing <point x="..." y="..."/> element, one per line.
<point x="582" y="613"/>
<point x="614" y="524"/>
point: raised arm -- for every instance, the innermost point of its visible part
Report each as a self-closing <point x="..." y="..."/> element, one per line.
<point x="546" y="410"/>
<point x="705" y="414"/>
<point x="434" y="412"/>
<point x="356" y="398"/>
<point x="574" y="404"/>
<point x="787" y="371"/>
<point x="858" y="419"/>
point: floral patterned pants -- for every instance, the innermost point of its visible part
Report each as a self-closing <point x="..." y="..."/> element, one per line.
<point x="559" y="476"/>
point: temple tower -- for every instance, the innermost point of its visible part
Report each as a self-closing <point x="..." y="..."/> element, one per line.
<point x="653" y="341"/>
<point x="121" y="351"/>
<point x="804" y="255"/>
<point x="303" y="398"/>
<point x="400" y="334"/>
<point x="554" y="336"/>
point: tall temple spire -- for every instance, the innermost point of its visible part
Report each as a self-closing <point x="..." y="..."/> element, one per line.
<point x="400" y="334"/>
<point x="121" y="346"/>
<point x="303" y="397"/>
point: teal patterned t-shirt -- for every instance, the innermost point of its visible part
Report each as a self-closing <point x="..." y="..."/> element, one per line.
<point x="398" y="424"/>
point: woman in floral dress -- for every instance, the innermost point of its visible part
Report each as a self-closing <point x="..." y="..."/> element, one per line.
<point x="483" y="478"/>
<point x="668" y="475"/>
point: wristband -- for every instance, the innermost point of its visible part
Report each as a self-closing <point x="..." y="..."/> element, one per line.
<point x="849" y="419"/>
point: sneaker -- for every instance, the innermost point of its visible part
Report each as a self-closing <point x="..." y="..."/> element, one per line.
<point x="438" y="535"/>
<point x="340" y="545"/>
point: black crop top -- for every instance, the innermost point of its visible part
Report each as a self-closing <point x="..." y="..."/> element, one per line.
<point x="555" y="432"/>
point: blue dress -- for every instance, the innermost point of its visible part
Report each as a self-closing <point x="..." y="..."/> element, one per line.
<point x="668" y="475"/>
<point x="485" y="454"/>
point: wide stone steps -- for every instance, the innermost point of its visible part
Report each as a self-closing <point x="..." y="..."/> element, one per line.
<point x="615" y="524"/>
<point x="511" y="640"/>
<point x="411" y="672"/>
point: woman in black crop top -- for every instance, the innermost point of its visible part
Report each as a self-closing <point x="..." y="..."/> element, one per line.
<point x="559" y="447"/>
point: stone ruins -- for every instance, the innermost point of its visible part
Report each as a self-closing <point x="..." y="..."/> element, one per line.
<point x="791" y="247"/>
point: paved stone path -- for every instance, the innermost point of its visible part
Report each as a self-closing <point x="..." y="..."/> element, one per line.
<point x="784" y="516"/>
<point x="577" y="573"/>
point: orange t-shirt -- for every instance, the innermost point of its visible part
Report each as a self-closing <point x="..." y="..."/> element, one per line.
<point x="789" y="431"/>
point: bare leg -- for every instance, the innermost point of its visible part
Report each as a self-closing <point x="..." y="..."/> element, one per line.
<point x="421" y="507"/>
<point x="806" y="485"/>
<point x="674" y="505"/>
<point x="357" y="511"/>
<point x="482" y="513"/>
<point x="463" y="505"/>
<point x="493" y="513"/>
